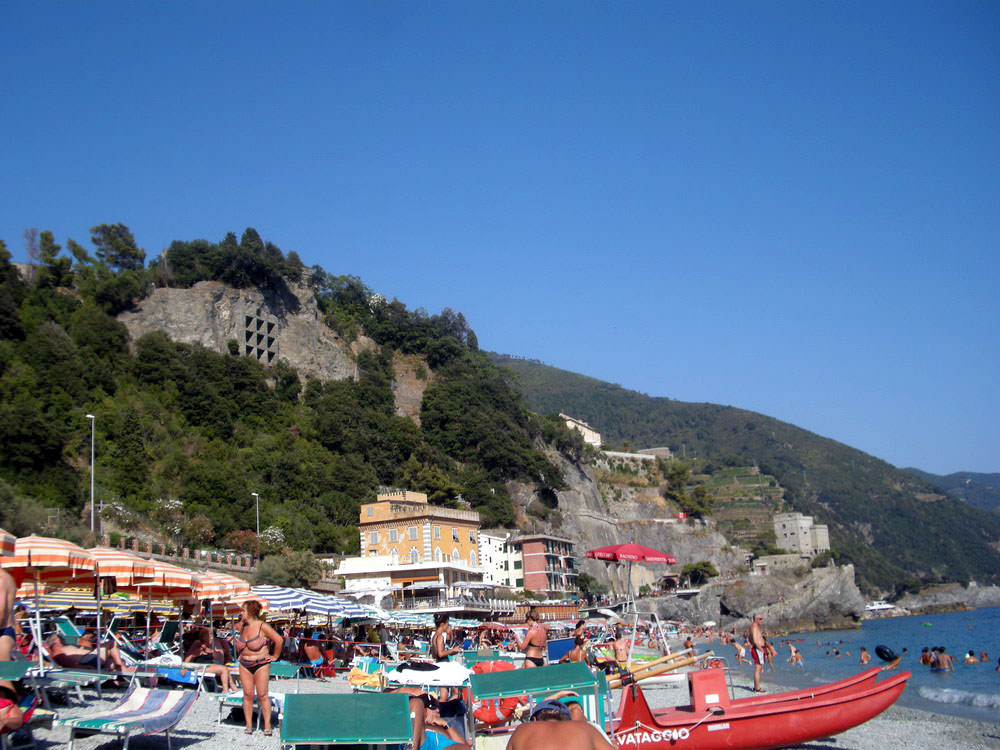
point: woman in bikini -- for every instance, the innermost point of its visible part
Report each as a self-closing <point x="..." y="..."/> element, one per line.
<point x="533" y="644"/>
<point x="254" y="645"/>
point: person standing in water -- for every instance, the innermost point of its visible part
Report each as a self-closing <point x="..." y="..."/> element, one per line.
<point x="758" y="654"/>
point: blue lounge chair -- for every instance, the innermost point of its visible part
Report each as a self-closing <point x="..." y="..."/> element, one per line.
<point x="140" y="711"/>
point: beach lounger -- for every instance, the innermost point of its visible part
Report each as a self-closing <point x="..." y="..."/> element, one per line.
<point x="376" y="719"/>
<point x="70" y="633"/>
<point x="235" y="700"/>
<point x="140" y="711"/>
<point x="22" y="738"/>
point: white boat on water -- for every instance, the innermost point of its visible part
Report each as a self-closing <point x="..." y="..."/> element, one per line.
<point x="879" y="606"/>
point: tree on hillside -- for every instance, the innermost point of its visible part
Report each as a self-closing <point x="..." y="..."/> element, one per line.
<point x="300" y="569"/>
<point x="116" y="247"/>
<point x="699" y="572"/>
<point x="698" y="503"/>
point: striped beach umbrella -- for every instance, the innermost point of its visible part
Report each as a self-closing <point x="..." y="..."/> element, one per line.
<point x="168" y="582"/>
<point x="50" y="560"/>
<point x="7" y="541"/>
<point x="280" y="597"/>
<point x="67" y="599"/>
<point x="126" y="569"/>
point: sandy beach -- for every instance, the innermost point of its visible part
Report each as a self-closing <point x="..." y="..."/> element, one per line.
<point x="896" y="729"/>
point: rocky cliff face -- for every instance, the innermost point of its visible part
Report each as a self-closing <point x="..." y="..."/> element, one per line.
<point x="822" y="599"/>
<point x="583" y="514"/>
<point x="266" y="325"/>
<point x="825" y="599"/>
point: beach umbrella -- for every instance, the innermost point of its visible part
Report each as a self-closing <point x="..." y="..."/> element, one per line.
<point x="280" y="597"/>
<point x="69" y="598"/>
<point x="49" y="560"/>
<point x="7" y="542"/>
<point x="219" y="587"/>
<point x="629" y="553"/>
<point x="168" y="582"/>
<point x="124" y="568"/>
<point x="120" y="567"/>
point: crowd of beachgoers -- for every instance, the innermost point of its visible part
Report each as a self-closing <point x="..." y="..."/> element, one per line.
<point x="241" y="657"/>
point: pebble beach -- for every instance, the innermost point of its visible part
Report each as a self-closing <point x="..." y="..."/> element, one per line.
<point x="896" y="729"/>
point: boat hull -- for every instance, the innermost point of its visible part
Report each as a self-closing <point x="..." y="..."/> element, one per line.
<point x="749" y="726"/>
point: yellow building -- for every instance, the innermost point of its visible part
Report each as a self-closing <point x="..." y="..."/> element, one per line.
<point x="404" y="526"/>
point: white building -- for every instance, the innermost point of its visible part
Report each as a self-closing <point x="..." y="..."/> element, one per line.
<point x="797" y="534"/>
<point x="590" y="435"/>
<point x="384" y="573"/>
<point x="492" y="558"/>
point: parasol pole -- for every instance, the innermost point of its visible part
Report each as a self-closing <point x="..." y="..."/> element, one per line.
<point x="98" y="639"/>
<point x="38" y="627"/>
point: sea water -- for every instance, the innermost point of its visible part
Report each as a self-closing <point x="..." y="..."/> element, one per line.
<point x="971" y="691"/>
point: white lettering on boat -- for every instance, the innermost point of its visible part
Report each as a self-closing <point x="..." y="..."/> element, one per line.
<point x="639" y="737"/>
<point x="717" y="727"/>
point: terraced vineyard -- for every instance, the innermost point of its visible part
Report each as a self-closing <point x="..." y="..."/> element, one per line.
<point x="745" y="503"/>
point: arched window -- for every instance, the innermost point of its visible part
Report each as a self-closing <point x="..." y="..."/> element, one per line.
<point x="414" y="555"/>
<point x="454" y="555"/>
<point x="472" y="559"/>
<point x="438" y="557"/>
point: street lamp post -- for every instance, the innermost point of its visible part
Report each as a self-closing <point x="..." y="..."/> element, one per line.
<point x="256" y="497"/>
<point x="93" y="421"/>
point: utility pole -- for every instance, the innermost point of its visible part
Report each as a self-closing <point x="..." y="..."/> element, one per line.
<point x="93" y="422"/>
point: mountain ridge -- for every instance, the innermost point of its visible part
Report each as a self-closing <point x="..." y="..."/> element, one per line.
<point x="870" y="505"/>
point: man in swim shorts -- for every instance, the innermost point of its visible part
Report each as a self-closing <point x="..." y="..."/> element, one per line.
<point x="757" y="653"/>
<point x="552" y="728"/>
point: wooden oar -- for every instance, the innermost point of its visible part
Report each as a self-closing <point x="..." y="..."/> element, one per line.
<point x="669" y="657"/>
<point x="642" y="674"/>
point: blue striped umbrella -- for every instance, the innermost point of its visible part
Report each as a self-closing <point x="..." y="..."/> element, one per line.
<point x="280" y="597"/>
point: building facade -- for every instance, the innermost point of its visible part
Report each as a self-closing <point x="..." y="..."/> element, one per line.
<point x="404" y="526"/>
<point x="493" y="558"/>
<point x="797" y="534"/>
<point x="544" y="564"/>
<point x="590" y="435"/>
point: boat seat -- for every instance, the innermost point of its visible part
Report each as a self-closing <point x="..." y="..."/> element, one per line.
<point x="708" y="689"/>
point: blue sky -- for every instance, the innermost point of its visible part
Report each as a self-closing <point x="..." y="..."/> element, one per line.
<point x="787" y="207"/>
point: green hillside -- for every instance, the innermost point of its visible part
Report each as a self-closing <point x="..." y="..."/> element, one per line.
<point x="897" y="529"/>
<point x="184" y="434"/>
<point x="981" y="490"/>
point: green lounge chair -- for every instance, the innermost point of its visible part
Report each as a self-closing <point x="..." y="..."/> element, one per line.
<point x="70" y="633"/>
<point x="367" y="719"/>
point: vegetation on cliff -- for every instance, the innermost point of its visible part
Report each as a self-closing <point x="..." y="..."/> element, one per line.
<point x="898" y="530"/>
<point x="184" y="434"/>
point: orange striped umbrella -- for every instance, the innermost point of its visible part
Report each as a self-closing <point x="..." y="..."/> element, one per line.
<point x="50" y="560"/>
<point x="7" y="541"/>
<point x="126" y="569"/>
<point x="225" y="586"/>
<point x="29" y="589"/>
<point x="210" y="586"/>
<point x="168" y="582"/>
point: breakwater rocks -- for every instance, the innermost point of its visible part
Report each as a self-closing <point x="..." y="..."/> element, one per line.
<point x="825" y="599"/>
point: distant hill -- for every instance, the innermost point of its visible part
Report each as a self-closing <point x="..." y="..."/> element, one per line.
<point x="875" y="511"/>
<point x="981" y="490"/>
